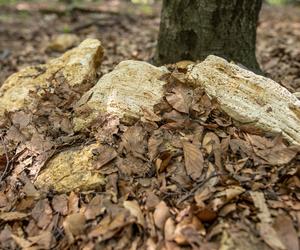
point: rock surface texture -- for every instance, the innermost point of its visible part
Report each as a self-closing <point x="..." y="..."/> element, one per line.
<point x="249" y="98"/>
<point x="131" y="88"/>
<point x="77" y="68"/>
<point x="71" y="170"/>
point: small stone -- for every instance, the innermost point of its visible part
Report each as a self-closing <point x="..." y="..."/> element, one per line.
<point x="62" y="42"/>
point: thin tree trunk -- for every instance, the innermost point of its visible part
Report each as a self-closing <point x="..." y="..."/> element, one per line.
<point x="194" y="29"/>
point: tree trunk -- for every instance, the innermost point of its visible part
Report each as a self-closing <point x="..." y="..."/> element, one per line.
<point x="194" y="29"/>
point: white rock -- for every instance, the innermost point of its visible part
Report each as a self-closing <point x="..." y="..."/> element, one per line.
<point x="133" y="86"/>
<point x="249" y="98"/>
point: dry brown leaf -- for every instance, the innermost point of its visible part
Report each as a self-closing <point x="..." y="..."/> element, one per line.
<point x="278" y="155"/>
<point x="270" y="236"/>
<point x="94" y="208"/>
<point x="108" y="128"/>
<point x="206" y="214"/>
<point x="105" y="155"/>
<point x="11" y="216"/>
<point x="24" y="244"/>
<point x="30" y="190"/>
<point x="135" y="210"/>
<point x="44" y="240"/>
<point x="134" y="140"/>
<point x="161" y="214"/>
<point x="180" y="100"/>
<point x="193" y="160"/>
<point x="73" y="203"/>
<point x="60" y="204"/>
<point x="169" y="229"/>
<point x="260" y="203"/>
<point x="42" y="213"/>
<point x="188" y="231"/>
<point x="155" y="140"/>
<point x="74" y="225"/>
<point x="108" y="227"/>
<point x="286" y="232"/>
<point x="39" y="144"/>
<point x="209" y="140"/>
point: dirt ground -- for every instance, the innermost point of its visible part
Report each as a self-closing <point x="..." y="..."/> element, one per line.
<point x="188" y="180"/>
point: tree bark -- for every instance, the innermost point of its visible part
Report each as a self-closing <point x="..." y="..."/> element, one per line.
<point x="194" y="29"/>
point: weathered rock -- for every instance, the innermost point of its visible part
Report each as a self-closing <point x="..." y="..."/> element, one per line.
<point x="131" y="88"/>
<point x="76" y="67"/>
<point x="71" y="170"/>
<point x="249" y="98"/>
<point x="62" y="42"/>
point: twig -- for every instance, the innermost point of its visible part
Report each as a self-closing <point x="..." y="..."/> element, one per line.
<point x="194" y="189"/>
<point x="7" y="159"/>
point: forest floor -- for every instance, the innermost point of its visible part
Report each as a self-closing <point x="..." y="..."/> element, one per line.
<point x="255" y="205"/>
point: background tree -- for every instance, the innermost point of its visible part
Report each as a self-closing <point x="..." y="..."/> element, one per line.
<point x="194" y="29"/>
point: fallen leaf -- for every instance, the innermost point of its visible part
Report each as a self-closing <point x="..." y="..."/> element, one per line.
<point x="209" y="140"/>
<point x="179" y="100"/>
<point x="42" y="213"/>
<point x="193" y="160"/>
<point x="161" y="214"/>
<point x="169" y="229"/>
<point x="60" y="204"/>
<point x="260" y="203"/>
<point x="269" y="235"/>
<point x="11" y="216"/>
<point x="94" y="208"/>
<point x="104" y="154"/>
<point x="135" y="210"/>
<point x="286" y="232"/>
<point x="24" y="244"/>
<point x="278" y="155"/>
<point x="74" y="225"/>
<point x="44" y="240"/>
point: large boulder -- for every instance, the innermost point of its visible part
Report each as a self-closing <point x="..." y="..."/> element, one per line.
<point x="76" y="67"/>
<point x="131" y="88"/>
<point x="71" y="170"/>
<point x="249" y="98"/>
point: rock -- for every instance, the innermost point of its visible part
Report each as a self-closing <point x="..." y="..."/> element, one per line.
<point x="297" y="94"/>
<point x="71" y="170"/>
<point x="249" y="98"/>
<point x="62" y="42"/>
<point x="76" y="67"/>
<point x="133" y="86"/>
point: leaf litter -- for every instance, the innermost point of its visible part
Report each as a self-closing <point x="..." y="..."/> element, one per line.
<point x="183" y="178"/>
<point x="169" y="183"/>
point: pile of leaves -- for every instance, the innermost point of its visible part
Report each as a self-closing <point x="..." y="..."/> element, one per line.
<point x="183" y="177"/>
